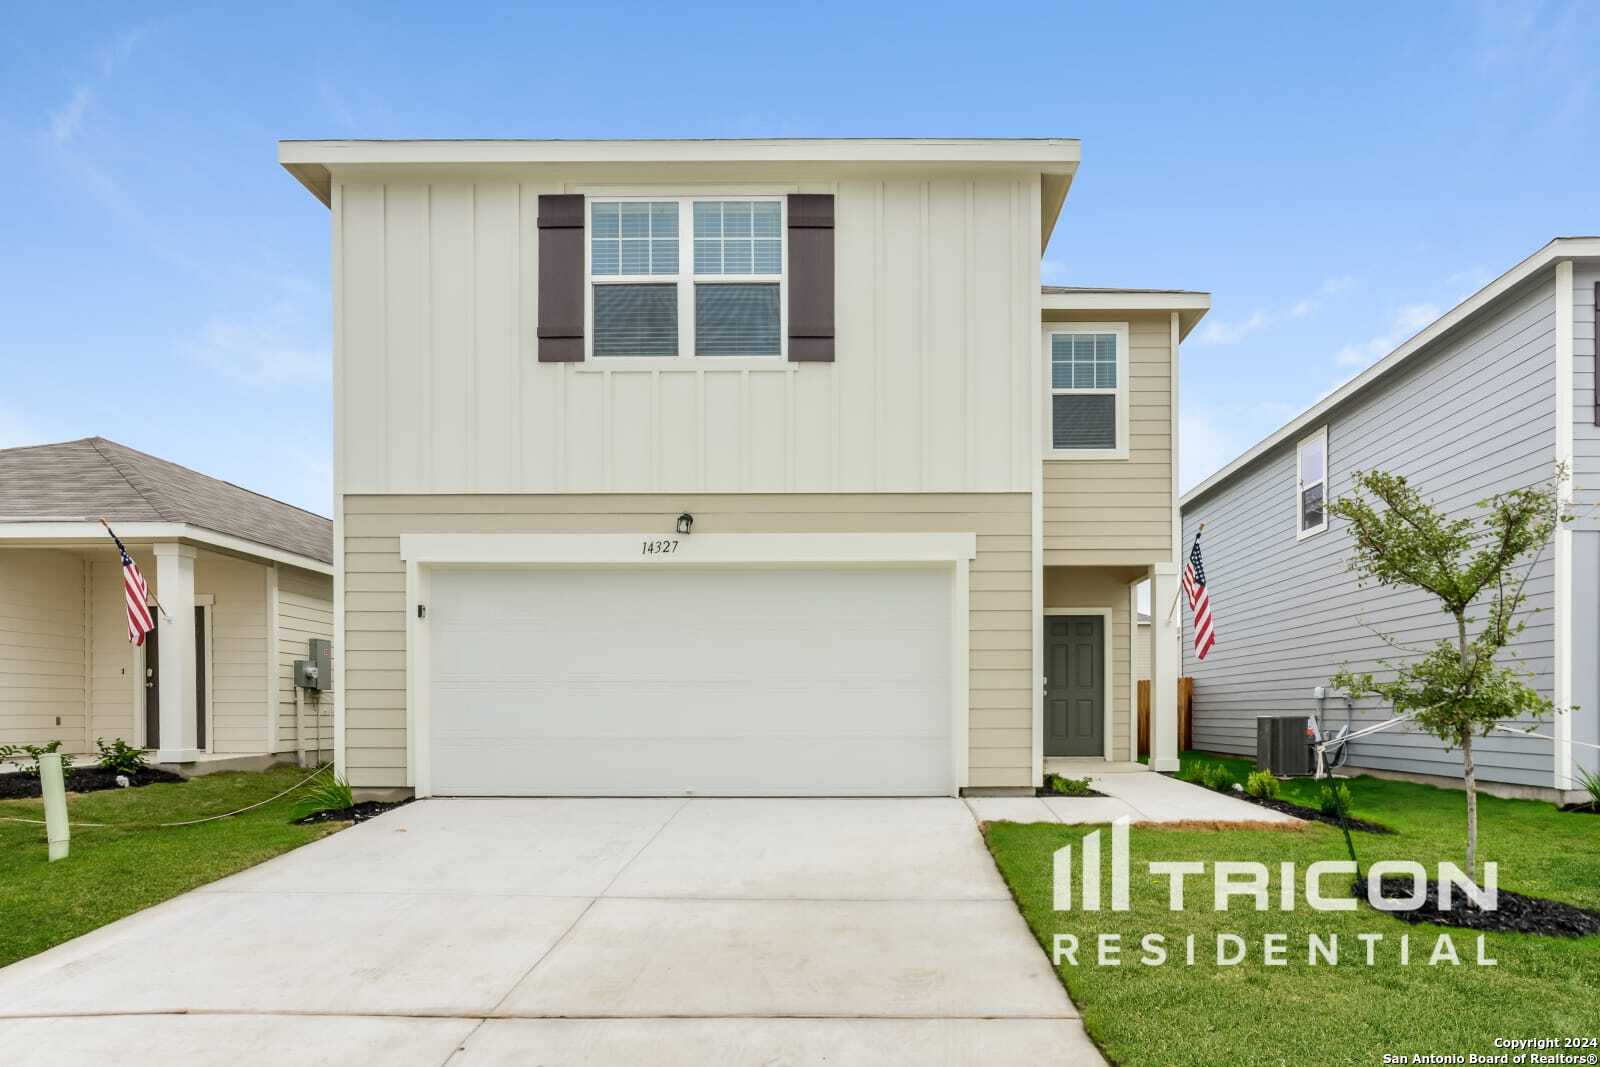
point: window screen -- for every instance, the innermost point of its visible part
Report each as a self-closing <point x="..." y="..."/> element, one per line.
<point x="633" y="238"/>
<point x="636" y="320"/>
<point x="736" y="319"/>
<point x="738" y="237"/>
<point x="1083" y="420"/>
<point x="1083" y="361"/>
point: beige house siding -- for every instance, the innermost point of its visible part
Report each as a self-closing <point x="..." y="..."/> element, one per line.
<point x="437" y="387"/>
<point x="304" y="611"/>
<point x="1120" y="511"/>
<point x="42" y="648"/>
<point x="1001" y="706"/>
<point x="1085" y="587"/>
<point x="1141" y="652"/>
<point x="238" y="651"/>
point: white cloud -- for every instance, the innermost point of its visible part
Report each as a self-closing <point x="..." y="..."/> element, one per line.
<point x="67" y="120"/>
<point x="1408" y="319"/>
<point x="1232" y="331"/>
<point x="276" y="348"/>
<point x="1211" y="437"/>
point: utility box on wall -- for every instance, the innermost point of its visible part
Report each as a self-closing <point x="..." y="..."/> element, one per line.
<point x="315" y="673"/>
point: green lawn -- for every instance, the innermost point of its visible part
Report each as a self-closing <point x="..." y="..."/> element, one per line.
<point x="1297" y="1013"/>
<point x="112" y="873"/>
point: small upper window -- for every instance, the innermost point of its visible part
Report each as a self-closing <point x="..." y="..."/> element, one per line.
<point x="1311" y="484"/>
<point x="1088" y="391"/>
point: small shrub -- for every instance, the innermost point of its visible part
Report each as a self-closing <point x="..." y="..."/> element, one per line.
<point x="120" y="757"/>
<point x="1193" y="772"/>
<point x="1262" y="785"/>
<point x="1217" y="777"/>
<point x="330" y="793"/>
<point x="1334" y="800"/>
<point x="1070" y="787"/>
<point x="33" y="752"/>
<point x="1591" y="782"/>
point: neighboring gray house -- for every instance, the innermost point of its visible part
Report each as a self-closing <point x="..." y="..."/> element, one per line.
<point x="1488" y="397"/>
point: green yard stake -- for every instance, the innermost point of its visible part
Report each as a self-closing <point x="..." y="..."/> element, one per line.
<point x="52" y="784"/>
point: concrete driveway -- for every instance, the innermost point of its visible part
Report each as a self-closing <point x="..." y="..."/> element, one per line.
<point x="658" y="931"/>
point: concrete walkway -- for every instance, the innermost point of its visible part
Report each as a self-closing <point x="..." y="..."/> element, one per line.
<point x="657" y="931"/>
<point x="1132" y="790"/>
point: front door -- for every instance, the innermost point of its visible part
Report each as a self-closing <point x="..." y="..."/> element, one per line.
<point x="1074" y="685"/>
<point x="152" y="681"/>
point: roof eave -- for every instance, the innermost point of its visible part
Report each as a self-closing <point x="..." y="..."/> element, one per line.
<point x="1190" y="305"/>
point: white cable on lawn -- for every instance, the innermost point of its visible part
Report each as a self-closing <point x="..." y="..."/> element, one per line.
<point x="187" y="822"/>
<point x="1322" y="746"/>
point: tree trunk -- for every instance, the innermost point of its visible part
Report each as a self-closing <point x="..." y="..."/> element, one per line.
<point x="1471" y="774"/>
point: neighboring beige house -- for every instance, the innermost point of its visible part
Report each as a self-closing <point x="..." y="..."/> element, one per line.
<point x="736" y="467"/>
<point x="245" y="582"/>
<point x="1141" y="649"/>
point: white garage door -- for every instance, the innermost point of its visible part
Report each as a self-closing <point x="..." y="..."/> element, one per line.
<point x="710" y="681"/>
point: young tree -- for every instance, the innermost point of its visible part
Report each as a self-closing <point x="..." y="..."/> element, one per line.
<point x="1456" y="689"/>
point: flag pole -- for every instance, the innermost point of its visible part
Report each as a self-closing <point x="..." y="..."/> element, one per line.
<point x="1172" y="611"/>
<point x="121" y="547"/>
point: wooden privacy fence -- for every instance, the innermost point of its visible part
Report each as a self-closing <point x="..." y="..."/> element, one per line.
<point x="1185" y="719"/>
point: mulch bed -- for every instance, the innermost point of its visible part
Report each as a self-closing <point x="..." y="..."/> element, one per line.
<point x="367" y="809"/>
<point x="1314" y="814"/>
<point x="82" y="780"/>
<point x="1515" y="913"/>
<point x="1583" y="809"/>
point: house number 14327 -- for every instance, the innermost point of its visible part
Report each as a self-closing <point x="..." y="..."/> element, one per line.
<point x="659" y="548"/>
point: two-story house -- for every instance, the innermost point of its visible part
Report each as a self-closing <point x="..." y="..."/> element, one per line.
<point x="737" y="467"/>
<point x="1498" y="393"/>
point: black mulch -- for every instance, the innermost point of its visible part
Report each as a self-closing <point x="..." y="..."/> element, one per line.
<point x="82" y="780"/>
<point x="1514" y="912"/>
<point x="1583" y="809"/>
<point x="367" y="809"/>
<point x="1315" y="814"/>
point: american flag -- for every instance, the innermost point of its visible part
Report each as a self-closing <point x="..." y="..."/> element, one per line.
<point x="135" y="593"/>
<point x="1194" y="587"/>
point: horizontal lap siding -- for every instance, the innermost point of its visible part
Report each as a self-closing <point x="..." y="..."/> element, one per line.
<point x="305" y="611"/>
<point x="42" y="637"/>
<point x="238" y="651"/>
<point x="1000" y="610"/>
<point x="1473" y="418"/>
<point x="1120" y="511"/>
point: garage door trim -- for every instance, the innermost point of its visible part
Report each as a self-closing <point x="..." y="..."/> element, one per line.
<point x="424" y="553"/>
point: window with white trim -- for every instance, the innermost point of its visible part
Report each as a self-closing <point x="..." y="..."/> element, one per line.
<point x="1087" y="416"/>
<point x="718" y="293"/>
<point x="1311" y="484"/>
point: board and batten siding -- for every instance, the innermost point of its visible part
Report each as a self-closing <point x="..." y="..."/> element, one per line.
<point x="1473" y="416"/>
<point x="43" y="648"/>
<point x="304" y="611"/>
<point x="437" y="387"/>
<point x="1000" y="678"/>
<point x="1586" y="527"/>
<point x="1119" y="511"/>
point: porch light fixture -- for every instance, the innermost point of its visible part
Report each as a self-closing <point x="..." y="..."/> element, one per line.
<point x="686" y="523"/>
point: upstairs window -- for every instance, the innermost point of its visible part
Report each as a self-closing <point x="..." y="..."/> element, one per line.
<point x="1311" y="484"/>
<point x="1088" y="378"/>
<point x="718" y="293"/>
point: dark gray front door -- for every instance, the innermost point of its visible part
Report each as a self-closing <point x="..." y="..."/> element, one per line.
<point x="152" y="681"/>
<point x="1074" y="685"/>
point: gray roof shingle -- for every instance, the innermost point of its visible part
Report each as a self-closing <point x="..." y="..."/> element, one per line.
<point x="83" y="480"/>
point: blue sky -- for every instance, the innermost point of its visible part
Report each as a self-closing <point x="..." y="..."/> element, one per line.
<point x="1334" y="177"/>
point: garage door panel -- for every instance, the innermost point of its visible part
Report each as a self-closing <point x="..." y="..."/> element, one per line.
<point x="678" y="681"/>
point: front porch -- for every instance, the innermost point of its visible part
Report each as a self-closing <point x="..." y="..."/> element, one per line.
<point x="1091" y="683"/>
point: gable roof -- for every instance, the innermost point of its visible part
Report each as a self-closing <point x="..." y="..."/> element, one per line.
<point x="1556" y="251"/>
<point x="83" y="480"/>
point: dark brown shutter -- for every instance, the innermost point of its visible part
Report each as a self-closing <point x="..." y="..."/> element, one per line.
<point x="810" y="278"/>
<point x="561" y="279"/>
